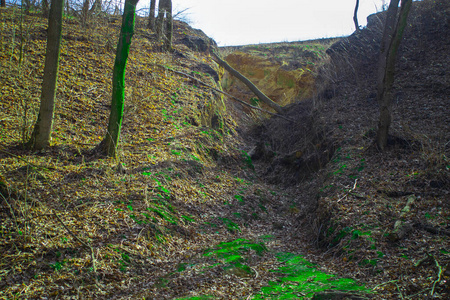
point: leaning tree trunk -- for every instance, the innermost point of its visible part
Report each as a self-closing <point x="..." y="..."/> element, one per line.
<point x="111" y="140"/>
<point x="151" y="16"/>
<point x="392" y="37"/>
<point x="40" y="138"/>
<point x="355" y="16"/>
<point x="249" y="84"/>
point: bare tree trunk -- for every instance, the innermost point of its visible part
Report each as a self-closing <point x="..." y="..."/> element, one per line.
<point x="67" y="8"/>
<point x="392" y="37"/>
<point x="40" y="137"/>
<point x="160" y="19"/>
<point x="3" y="3"/>
<point x="151" y="16"/>
<point x="249" y="84"/>
<point x="169" y="26"/>
<point x="355" y="16"/>
<point x="85" y="12"/>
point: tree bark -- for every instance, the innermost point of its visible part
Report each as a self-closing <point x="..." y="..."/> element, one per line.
<point x="111" y="140"/>
<point x="85" y="12"/>
<point x="164" y="23"/>
<point x="160" y="19"/>
<point x="392" y="37"/>
<point x="355" y="16"/>
<point x="249" y="84"/>
<point x="40" y="137"/>
<point x="3" y="3"/>
<point x="169" y="26"/>
<point x="151" y="16"/>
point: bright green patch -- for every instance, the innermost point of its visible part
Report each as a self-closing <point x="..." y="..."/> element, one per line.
<point x="302" y="280"/>
<point x="230" y="225"/>
<point x="233" y="255"/>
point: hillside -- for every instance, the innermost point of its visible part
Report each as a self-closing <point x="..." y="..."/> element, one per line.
<point x="211" y="200"/>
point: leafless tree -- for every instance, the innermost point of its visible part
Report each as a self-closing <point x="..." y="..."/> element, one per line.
<point x="151" y="16"/>
<point x="40" y="137"/>
<point x="355" y="16"/>
<point x="164" y="23"/>
<point x="392" y="36"/>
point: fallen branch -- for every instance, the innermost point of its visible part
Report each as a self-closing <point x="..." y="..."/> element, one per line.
<point x="248" y="83"/>
<point x="402" y="228"/>
<point x="429" y="258"/>
<point x="349" y="191"/>
<point x="222" y="92"/>
<point x="432" y="229"/>
<point x="440" y="272"/>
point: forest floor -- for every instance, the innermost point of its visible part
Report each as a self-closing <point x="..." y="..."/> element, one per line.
<point x="189" y="210"/>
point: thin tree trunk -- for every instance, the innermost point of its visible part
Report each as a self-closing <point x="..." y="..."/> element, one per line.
<point x="67" y="8"/>
<point x="249" y="84"/>
<point x="355" y="16"/>
<point x="111" y="139"/>
<point x="96" y="7"/>
<point x="160" y="19"/>
<point x="169" y="26"/>
<point x="85" y="12"/>
<point x="151" y="16"/>
<point x="3" y="3"/>
<point x="40" y="137"/>
<point x="392" y="37"/>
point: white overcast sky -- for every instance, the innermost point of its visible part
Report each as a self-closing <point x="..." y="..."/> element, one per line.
<point x="238" y="22"/>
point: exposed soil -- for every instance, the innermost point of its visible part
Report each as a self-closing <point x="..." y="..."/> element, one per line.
<point x="205" y="202"/>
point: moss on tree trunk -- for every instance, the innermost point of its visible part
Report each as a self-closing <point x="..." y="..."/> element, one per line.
<point x="111" y="139"/>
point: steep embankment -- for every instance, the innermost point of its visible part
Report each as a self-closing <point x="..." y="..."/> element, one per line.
<point x="180" y="213"/>
<point x="184" y="212"/>
<point x="285" y="72"/>
<point x="361" y="192"/>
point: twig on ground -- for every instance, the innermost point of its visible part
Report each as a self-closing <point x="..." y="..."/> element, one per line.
<point x="429" y="258"/>
<point x="349" y="191"/>
<point x="432" y="229"/>
<point x="440" y="272"/>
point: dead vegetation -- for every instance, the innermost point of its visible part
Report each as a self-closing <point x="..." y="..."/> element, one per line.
<point x="197" y="206"/>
